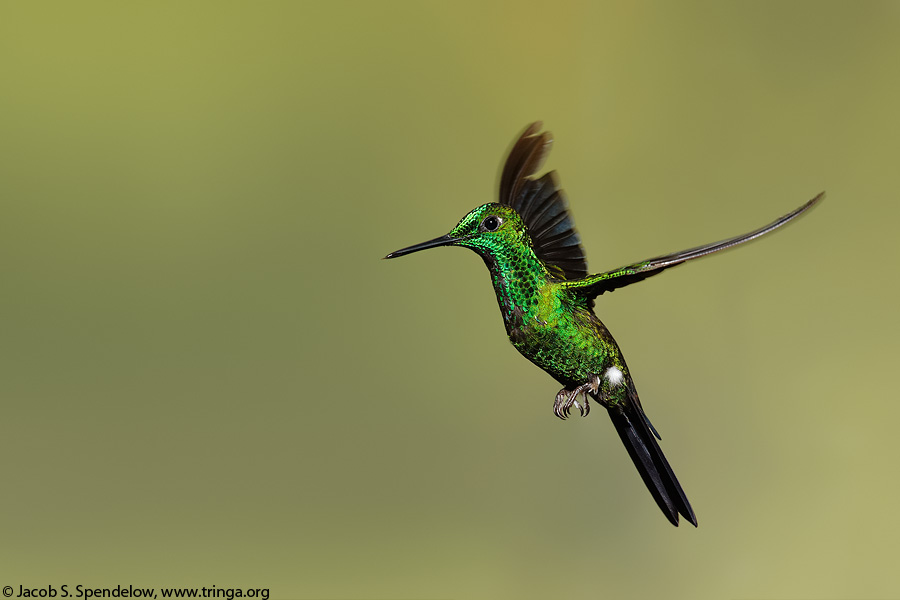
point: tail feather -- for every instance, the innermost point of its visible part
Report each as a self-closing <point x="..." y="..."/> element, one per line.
<point x="634" y="429"/>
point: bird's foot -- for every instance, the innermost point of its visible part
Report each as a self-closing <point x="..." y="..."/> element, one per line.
<point x="565" y="399"/>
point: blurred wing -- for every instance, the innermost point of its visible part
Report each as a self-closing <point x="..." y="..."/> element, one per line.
<point x="594" y="285"/>
<point x="542" y="205"/>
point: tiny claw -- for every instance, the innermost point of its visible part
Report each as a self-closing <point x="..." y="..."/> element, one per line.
<point x="562" y="404"/>
<point x="565" y="398"/>
<point x="558" y="407"/>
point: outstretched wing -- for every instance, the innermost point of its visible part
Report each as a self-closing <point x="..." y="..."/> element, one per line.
<point x="542" y="205"/>
<point x="594" y="285"/>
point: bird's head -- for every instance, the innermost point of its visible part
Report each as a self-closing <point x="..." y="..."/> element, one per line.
<point x="487" y="230"/>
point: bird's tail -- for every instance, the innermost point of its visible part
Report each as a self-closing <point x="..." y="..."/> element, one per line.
<point x="639" y="438"/>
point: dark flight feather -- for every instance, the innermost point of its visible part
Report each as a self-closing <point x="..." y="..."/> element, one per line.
<point x="638" y="437"/>
<point x="542" y="205"/>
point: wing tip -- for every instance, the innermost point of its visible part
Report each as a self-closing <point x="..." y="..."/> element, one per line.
<point x="819" y="197"/>
<point x="533" y="128"/>
<point x="545" y="143"/>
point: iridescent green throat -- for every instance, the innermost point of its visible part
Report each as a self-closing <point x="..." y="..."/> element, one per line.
<point x="517" y="274"/>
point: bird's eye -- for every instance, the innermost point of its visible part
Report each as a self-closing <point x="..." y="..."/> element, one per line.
<point x="491" y="223"/>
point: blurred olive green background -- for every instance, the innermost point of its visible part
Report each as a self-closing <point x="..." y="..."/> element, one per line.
<point x="209" y="377"/>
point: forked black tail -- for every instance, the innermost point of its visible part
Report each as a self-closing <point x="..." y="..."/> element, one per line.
<point x="640" y="441"/>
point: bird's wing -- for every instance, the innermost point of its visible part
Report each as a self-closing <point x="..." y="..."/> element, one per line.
<point x="593" y="285"/>
<point x="542" y="205"/>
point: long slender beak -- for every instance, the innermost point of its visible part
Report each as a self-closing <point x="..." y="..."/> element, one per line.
<point x="444" y="240"/>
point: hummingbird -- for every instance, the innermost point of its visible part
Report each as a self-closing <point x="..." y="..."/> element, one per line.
<point x="539" y="272"/>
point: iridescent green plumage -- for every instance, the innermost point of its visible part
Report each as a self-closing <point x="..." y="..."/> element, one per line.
<point x="539" y="273"/>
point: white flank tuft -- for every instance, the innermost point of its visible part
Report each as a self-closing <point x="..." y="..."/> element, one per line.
<point x="614" y="376"/>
